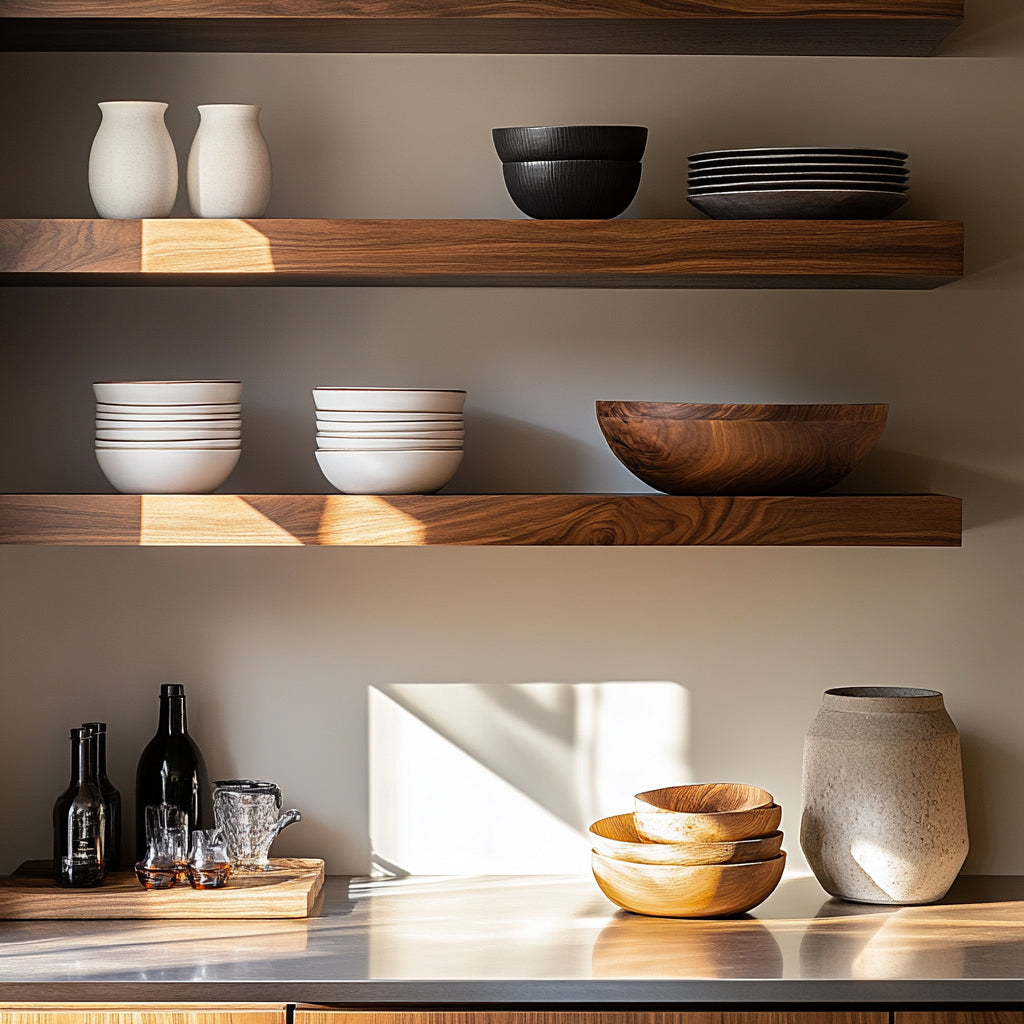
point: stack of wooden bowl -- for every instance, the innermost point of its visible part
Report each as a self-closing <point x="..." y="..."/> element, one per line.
<point x="703" y="850"/>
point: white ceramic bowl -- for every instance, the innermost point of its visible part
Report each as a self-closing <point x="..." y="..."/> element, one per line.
<point x="210" y="442"/>
<point x="404" y="434"/>
<point x="163" y="409"/>
<point x="171" y="392"/>
<point x="168" y="418"/>
<point x="153" y="434"/>
<point x="355" y="444"/>
<point x="389" y="418"/>
<point x="149" y="471"/>
<point x="388" y="400"/>
<point x="406" y="472"/>
<point x="171" y="428"/>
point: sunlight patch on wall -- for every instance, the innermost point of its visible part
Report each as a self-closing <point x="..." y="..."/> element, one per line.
<point x="476" y="778"/>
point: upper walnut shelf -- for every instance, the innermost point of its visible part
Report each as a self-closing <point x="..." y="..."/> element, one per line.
<point x="911" y="28"/>
<point x="515" y="253"/>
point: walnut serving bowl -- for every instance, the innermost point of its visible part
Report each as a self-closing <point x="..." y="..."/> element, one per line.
<point x="699" y="448"/>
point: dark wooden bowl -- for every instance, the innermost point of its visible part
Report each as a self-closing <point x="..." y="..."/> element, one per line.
<point x="685" y="448"/>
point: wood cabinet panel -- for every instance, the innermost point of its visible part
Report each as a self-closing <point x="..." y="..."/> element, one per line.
<point x="143" y="1013"/>
<point x="960" y="1017"/>
<point x="308" y="1014"/>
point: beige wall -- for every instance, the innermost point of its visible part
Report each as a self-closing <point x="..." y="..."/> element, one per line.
<point x="280" y="650"/>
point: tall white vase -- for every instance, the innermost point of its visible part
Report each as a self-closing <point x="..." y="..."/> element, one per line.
<point x="884" y="819"/>
<point x="229" y="172"/>
<point x="133" y="170"/>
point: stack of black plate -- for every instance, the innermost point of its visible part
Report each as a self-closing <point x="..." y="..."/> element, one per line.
<point x="798" y="183"/>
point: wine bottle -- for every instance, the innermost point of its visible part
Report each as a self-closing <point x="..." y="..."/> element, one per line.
<point x="79" y="821"/>
<point x="172" y="770"/>
<point x="111" y="797"/>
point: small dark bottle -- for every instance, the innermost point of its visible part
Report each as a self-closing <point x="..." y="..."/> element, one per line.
<point x="172" y="770"/>
<point x="111" y="797"/>
<point x="79" y="821"/>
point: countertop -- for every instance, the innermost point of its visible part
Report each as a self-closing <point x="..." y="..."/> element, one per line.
<point x="541" y="940"/>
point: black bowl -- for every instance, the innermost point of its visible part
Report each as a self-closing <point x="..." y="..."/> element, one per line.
<point x="572" y="189"/>
<point x="571" y="142"/>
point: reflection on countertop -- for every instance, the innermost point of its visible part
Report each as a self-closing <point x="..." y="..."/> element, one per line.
<point x="529" y="939"/>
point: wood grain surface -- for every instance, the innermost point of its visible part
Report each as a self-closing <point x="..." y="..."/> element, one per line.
<point x="143" y="1013"/>
<point x="869" y="27"/>
<point x="606" y="254"/>
<point x="307" y="1013"/>
<point x="931" y="520"/>
<point x="962" y="1017"/>
<point x="289" y="891"/>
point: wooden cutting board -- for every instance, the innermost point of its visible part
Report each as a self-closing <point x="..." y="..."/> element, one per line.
<point x="289" y="890"/>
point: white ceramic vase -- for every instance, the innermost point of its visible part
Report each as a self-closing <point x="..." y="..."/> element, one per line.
<point x="133" y="170"/>
<point x="229" y="172"/>
<point x="884" y="819"/>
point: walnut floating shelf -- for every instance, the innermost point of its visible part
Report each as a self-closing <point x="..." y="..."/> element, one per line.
<point x="686" y="253"/>
<point x="865" y="27"/>
<point x="887" y="520"/>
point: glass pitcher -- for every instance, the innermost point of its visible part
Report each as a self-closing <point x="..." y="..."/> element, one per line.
<point x="249" y="814"/>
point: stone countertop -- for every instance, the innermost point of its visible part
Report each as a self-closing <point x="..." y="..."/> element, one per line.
<point x="541" y="940"/>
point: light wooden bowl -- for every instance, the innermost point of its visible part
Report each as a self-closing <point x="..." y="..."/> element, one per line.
<point x="674" y="890"/>
<point x="617" y="837"/>
<point x="685" y="448"/>
<point x="714" y="812"/>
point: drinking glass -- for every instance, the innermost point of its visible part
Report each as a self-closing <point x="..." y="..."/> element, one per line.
<point x="208" y="862"/>
<point x="166" y="859"/>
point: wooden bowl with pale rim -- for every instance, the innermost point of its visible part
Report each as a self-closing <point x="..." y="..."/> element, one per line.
<point x="694" y="890"/>
<point x="616" y="836"/>
<point x="710" y="812"/>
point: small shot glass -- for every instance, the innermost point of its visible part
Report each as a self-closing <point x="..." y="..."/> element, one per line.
<point x="208" y="862"/>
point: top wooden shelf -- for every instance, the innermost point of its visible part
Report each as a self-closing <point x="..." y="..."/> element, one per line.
<point x="516" y="253"/>
<point x="854" y="27"/>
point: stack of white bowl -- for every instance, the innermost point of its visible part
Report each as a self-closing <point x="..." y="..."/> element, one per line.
<point x="388" y="440"/>
<point x="168" y="436"/>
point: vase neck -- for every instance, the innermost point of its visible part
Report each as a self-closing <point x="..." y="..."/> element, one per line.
<point x="882" y="699"/>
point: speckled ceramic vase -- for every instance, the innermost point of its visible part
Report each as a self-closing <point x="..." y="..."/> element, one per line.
<point x="229" y="172"/>
<point x="133" y="170"/>
<point x="883" y="816"/>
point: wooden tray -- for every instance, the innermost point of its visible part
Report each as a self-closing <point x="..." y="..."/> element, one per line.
<point x="289" y="890"/>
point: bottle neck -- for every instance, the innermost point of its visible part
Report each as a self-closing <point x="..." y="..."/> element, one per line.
<point x="172" y="716"/>
<point x="99" y="741"/>
<point x="82" y="752"/>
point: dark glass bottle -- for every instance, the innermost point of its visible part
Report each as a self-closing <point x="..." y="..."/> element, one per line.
<point x="79" y="821"/>
<point x="111" y="797"/>
<point x="172" y="770"/>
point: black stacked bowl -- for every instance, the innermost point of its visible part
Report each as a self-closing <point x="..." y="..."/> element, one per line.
<point x="572" y="172"/>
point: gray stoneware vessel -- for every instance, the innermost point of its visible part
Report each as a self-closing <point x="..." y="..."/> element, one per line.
<point x="884" y="819"/>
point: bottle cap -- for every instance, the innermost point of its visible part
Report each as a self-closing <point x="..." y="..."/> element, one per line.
<point x="172" y="690"/>
<point x="95" y="727"/>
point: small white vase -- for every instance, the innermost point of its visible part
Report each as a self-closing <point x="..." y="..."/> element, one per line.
<point x="133" y="170"/>
<point x="883" y="819"/>
<point x="229" y="173"/>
